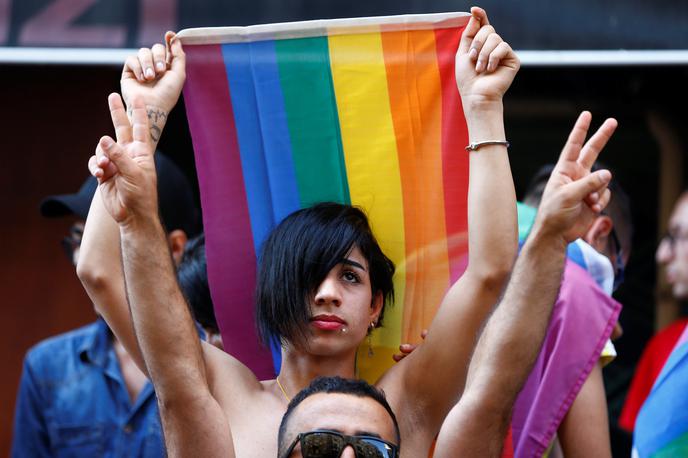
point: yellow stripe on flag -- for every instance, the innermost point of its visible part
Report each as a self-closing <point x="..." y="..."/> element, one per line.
<point x="372" y="167"/>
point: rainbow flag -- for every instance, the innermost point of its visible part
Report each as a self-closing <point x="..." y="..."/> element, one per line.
<point x="360" y="111"/>
<point x="661" y="428"/>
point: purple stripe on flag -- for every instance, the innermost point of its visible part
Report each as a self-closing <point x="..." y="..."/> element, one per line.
<point x="225" y="210"/>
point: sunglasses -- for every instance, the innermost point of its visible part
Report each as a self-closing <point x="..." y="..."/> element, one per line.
<point x="331" y="444"/>
<point x="73" y="240"/>
<point x="619" y="267"/>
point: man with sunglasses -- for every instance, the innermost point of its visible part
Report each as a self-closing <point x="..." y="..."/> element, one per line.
<point x="81" y="394"/>
<point x="335" y="417"/>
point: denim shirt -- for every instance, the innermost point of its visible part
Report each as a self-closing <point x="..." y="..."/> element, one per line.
<point x="73" y="402"/>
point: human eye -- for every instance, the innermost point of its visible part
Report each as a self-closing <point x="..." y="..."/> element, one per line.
<point x="351" y="277"/>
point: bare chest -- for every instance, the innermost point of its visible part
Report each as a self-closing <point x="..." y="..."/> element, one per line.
<point x="255" y="426"/>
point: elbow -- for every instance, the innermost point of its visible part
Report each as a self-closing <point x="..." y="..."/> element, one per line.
<point x="176" y="399"/>
<point x="492" y="406"/>
<point x="91" y="276"/>
<point x="496" y="277"/>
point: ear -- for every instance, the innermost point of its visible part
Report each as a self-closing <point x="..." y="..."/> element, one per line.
<point x="376" y="306"/>
<point x="177" y="240"/>
<point x="598" y="233"/>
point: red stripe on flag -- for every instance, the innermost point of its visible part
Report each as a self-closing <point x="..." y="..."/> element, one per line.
<point x="454" y="155"/>
<point x="229" y="241"/>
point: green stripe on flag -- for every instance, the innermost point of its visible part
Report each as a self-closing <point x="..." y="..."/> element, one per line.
<point x="306" y="80"/>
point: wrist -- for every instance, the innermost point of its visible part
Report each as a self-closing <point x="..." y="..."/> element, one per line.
<point x="544" y="236"/>
<point x="141" y="224"/>
<point x="482" y="104"/>
<point x="485" y="120"/>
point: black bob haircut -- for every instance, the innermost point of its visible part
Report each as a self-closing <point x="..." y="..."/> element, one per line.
<point x="358" y="388"/>
<point x="297" y="256"/>
<point x="192" y="275"/>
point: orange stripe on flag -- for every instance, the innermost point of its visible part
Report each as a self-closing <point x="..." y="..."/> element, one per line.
<point x="415" y="87"/>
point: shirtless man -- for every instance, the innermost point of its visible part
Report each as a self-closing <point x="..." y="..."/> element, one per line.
<point x="205" y="394"/>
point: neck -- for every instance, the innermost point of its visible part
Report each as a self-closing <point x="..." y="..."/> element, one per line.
<point x="300" y="368"/>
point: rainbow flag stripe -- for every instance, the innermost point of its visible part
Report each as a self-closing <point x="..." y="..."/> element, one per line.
<point x="361" y="111"/>
<point x="661" y="428"/>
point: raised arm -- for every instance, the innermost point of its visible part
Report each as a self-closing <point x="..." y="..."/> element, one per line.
<point x="100" y="270"/>
<point x="156" y="75"/>
<point x="433" y="376"/>
<point x="192" y="418"/>
<point x="511" y="341"/>
<point x="584" y="431"/>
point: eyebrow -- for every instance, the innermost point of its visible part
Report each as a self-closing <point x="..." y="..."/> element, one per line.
<point x="349" y="262"/>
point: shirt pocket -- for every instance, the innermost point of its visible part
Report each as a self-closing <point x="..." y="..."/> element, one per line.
<point x="78" y="440"/>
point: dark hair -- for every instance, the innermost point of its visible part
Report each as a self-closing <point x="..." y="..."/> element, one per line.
<point x="618" y="208"/>
<point x="192" y="275"/>
<point x="297" y="256"/>
<point x="352" y="387"/>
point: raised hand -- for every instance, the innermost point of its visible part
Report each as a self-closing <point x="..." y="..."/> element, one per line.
<point x="573" y="195"/>
<point x="157" y="76"/>
<point x="485" y="64"/>
<point x="125" y="169"/>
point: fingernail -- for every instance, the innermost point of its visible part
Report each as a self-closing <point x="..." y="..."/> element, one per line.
<point x="480" y="66"/>
<point x="473" y="53"/>
<point x="107" y="143"/>
<point x="491" y="66"/>
<point x="150" y="73"/>
<point x="160" y="66"/>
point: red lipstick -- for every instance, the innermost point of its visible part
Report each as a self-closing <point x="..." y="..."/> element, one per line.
<point x="327" y="322"/>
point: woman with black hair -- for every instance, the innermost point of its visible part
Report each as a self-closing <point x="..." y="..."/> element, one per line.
<point x="323" y="279"/>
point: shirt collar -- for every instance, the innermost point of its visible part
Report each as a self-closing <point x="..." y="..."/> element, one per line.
<point x="96" y="346"/>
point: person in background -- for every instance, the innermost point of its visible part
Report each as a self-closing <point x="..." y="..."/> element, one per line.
<point x="80" y="393"/>
<point x="192" y="275"/>
<point x="661" y="425"/>
<point x="562" y="408"/>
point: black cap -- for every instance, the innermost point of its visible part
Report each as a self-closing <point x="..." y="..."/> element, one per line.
<point x="70" y="204"/>
<point x="178" y="208"/>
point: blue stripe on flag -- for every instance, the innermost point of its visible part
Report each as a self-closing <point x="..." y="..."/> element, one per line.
<point x="275" y="130"/>
<point x="240" y="76"/>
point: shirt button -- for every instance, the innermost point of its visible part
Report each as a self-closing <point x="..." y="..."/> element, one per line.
<point x="128" y="429"/>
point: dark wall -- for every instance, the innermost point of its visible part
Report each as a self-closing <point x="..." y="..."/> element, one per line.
<point x="533" y="24"/>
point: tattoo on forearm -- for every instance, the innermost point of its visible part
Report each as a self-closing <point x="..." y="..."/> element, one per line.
<point x="155" y="133"/>
<point x="156" y="118"/>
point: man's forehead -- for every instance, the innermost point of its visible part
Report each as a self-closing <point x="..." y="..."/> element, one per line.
<point x="346" y="413"/>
